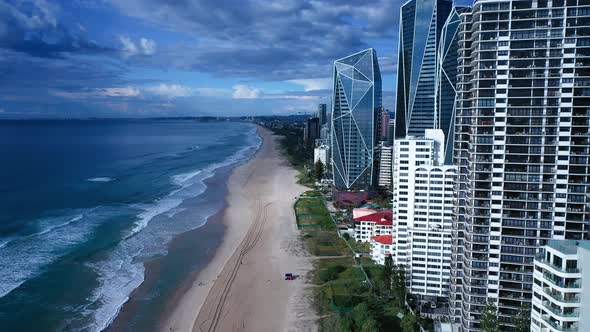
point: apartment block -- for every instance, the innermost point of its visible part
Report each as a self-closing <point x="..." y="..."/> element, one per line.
<point x="559" y="303"/>
<point x="422" y="217"/>
<point x="521" y="147"/>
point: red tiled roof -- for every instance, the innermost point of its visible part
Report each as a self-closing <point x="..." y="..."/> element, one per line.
<point x="383" y="239"/>
<point x="381" y="218"/>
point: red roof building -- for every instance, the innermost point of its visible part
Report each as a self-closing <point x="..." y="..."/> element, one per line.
<point x="374" y="224"/>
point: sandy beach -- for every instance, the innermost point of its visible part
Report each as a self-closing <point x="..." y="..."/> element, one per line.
<point x="243" y="287"/>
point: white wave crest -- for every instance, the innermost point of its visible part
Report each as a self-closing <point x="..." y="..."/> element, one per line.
<point x="100" y="179"/>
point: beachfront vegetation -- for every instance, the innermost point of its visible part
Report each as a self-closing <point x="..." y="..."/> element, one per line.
<point x="298" y="155"/>
<point x="319" y="170"/>
<point x="311" y="212"/>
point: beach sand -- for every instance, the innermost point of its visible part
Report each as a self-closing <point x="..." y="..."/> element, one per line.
<point x="243" y="287"/>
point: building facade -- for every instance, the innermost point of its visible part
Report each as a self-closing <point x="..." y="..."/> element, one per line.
<point x="559" y="302"/>
<point x="311" y="131"/>
<point x="421" y="25"/>
<point x="322" y="114"/>
<point x="321" y="152"/>
<point x="381" y="247"/>
<point x="355" y="102"/>
<point x="521" y="148"/>
<point x="385" y="165"/>
<point x="422" y="212"/>
<point x="374" y="224"/>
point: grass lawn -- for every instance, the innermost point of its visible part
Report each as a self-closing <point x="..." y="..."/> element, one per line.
<point x="359" y="246"/>
<point x="325" y="243"/>
<point x="311" y="212"/>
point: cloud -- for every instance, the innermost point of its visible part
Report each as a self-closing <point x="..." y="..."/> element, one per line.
<point x="171" y="90"/>
<point x="148" y="46"/>
<point x="33" y="28"/>
<point x="273" y="41"/>
<point x="314" y="83"/>
<point x="245" y="92"/>
<point x="119" y="92"/>
<point x="143" y="47"/>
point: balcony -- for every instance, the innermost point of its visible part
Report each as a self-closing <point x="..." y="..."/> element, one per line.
<point x="556" y="326"/>
<point x="549" y="306"/>
<point x="556" y="267"/>
<point x="558" y="297"/>
<point x="559" y="282"/>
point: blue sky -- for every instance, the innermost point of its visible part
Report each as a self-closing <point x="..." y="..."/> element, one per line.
<point x="142" y="58"/>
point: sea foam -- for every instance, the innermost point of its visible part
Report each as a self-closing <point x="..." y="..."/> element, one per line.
<point x="100" y="179"/>
<point x="123" y="271"/>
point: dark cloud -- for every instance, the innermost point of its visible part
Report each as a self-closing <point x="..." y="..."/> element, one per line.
<point x="33" y="28"/>
<point x="271" y="40"/>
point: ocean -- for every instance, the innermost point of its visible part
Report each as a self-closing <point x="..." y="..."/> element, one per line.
<point x="84" y="204"/>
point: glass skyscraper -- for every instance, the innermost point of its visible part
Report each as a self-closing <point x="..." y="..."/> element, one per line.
<point x="356" y="101"/>
<point x="426" y="59"/>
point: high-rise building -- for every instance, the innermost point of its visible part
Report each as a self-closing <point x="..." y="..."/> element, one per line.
<point x="385" y="165"/>
<point x="321" y="152"/>
<point x="383" y="125"/>
<point x="560" y="290"/>
<point x="355" y="102"/>
<point x="322" y="109"/>
<point x="390" y="131"/>
<point x="446" y="81"/>
<point x="427" y="59"/>
<point x="521" y="147"/>
<point x="421" y="23"/>
<point x="311" y="131"/>
<point x="422" y="212"/>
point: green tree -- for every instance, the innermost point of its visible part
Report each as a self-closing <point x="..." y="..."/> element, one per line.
<point x="489" y="319"/>
<point x="522" y="321"/>
<point x="319" y="170"/>
<point x="409" y="323"/>
<point x="399" y="285"/>
<point x="387" y="273"/>
<point x="346" y="324"/>
<point x="369" y="325"/>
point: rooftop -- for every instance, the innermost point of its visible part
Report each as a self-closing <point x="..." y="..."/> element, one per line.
<point x="381" y="218"/>
<point x="383" y="239"/>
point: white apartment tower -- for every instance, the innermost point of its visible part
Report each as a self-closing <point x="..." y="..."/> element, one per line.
<point x="561" y="301"/>
<point x="521" y="147"/>
<point x="422" y="210"/>
<point x="385" y="166"/>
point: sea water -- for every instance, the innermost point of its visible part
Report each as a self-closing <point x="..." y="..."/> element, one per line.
<point x="83" y="204"/>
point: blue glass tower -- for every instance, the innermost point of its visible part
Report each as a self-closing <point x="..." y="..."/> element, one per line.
<point x="421" y="29"/>
<point x="355" y="102"/>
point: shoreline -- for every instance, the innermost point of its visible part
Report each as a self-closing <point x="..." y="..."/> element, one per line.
<point x="209" y="236"/>
<point x="260" y="243"/>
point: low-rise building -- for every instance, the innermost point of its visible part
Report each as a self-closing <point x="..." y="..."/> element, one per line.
<point x="559" y="287"/>
<point x="381" y="246"/>
<point x="374" y="224"/>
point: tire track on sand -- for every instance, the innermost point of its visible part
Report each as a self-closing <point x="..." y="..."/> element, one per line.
<point x="254" y="233"/>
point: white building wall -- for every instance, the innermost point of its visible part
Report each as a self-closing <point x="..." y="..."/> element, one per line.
<point x="385" y="165"/>
<point x="422" y="204"/>
<point x="559" y="299"/>
<point x="321" y="153"/>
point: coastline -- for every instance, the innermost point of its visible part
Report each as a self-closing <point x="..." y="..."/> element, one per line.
<point x="260" y="243"/>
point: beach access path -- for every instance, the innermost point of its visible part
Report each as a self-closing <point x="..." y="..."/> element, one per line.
<point x="243" y="287"/>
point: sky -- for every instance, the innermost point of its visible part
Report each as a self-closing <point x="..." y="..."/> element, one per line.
<point x="151" y="58"/>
